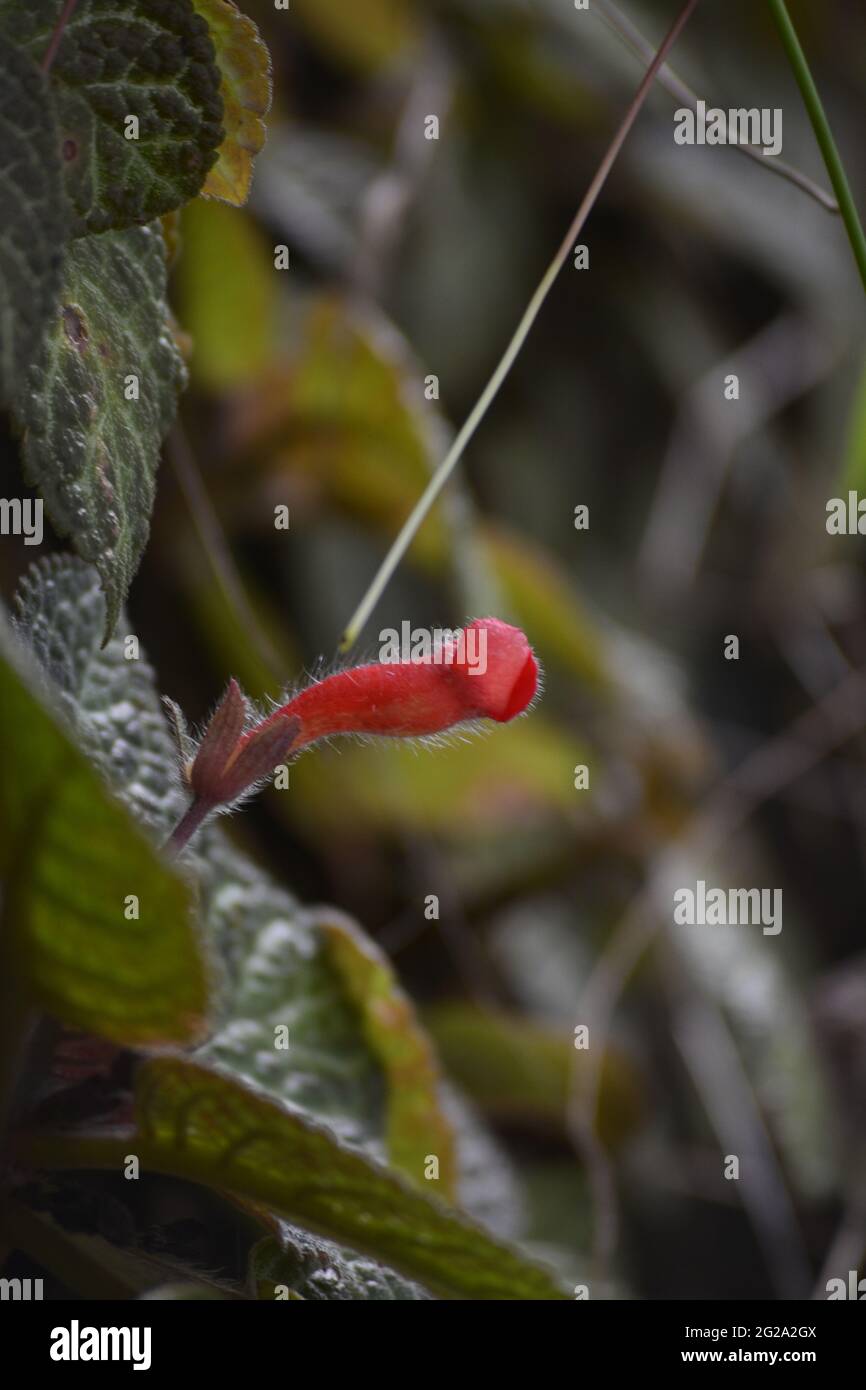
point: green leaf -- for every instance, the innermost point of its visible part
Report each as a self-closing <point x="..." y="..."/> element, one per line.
<point x="245" y="66"/>
<point x="152" y="59"/>
<point x="70" y="857"/>
<point x="317" y="1270"/>
<point x="205" y="1126"/>
<point x="276" y="975"/>
<point x="416" y="1124"/>
<point x="110" y="701"/>
<point x="279" y="971"/>
<point x="32" y="213"/>
<point x="226" y="296"/>
<point x="92" y="453"/>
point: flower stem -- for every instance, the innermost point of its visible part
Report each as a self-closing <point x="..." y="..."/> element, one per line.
<point x="455" y="453"/>
<point x="823" y="133"/>
<point x="191" y="821"/>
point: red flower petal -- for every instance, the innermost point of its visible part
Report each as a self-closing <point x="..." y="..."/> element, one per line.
<point x="414" y="698"/>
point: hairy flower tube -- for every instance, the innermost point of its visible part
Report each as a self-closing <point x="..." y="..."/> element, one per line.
<point x="486" y="671"/>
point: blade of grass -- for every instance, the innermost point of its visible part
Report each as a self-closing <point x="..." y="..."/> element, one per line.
<point x="455" y="453"/>
<point x="823" y="133"/>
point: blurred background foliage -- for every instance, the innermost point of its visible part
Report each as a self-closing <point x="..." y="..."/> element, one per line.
<point x="411" y="258"/>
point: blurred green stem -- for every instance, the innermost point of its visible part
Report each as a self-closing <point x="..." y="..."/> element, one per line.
<point x="521" y="333"/>
<point x="823" y="133"/>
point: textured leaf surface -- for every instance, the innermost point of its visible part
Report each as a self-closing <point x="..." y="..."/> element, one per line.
<point x="32" y="212"/>
<point x="276" y="974"/>
<point x="92" y="453"/>
<point x="207" y="1126"/>
<point x="317" y="1270"/>
<point x="416" y="1125"/>
<point x="314" y="1268"/>
<point x="111" y="702"/>
<point x="152" y="59"/>
<point x="279" y="971"/>
<point x="245" y="68"/>
<point x="69" y="857"/>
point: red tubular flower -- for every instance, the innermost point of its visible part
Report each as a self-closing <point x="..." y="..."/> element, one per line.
<point x="413" y="698"/>
<point x="487" y="671"/>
